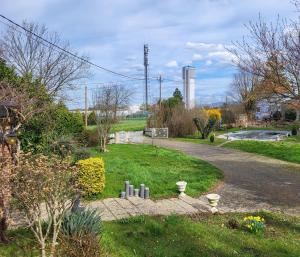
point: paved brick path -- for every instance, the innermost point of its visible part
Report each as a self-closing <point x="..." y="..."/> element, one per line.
<point x="116" y="208"/>
<point x="251" y="182"/>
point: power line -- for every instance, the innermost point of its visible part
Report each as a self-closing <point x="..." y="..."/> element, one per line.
<point x="68" y="52"/>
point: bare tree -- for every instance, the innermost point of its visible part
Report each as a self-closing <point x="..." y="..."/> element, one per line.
<point x="107" y="101"/>
<point x="272" y="53"/>
<point x="31" y="55"/>
<point x="104" y="106"/>
<point x="245" y="87"/>
<point x="43" y="189"/>
<point x="122" y="96"/>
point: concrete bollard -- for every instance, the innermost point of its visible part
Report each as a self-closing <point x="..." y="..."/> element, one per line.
<point x="147" y="193"/>
<point x="127" y="188"/>
<point x="130" y="190"/>
<point x="136" y="192"/>
<point x="142" y="191"/>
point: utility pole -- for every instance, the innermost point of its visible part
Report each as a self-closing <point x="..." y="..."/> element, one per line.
<point x="160" y="80"/>
<point x="85" y="107"/>
<point x="146" y="63"/>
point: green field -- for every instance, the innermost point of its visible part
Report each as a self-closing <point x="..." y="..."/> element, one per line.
<point x="127" y="125"/>
<point x="178" y="236"/>
<point x="156" y="167"/>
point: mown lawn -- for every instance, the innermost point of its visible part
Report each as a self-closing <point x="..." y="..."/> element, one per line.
<point x="286" y="150"/>
<point x="201" y="237"/>
<point x="178" y="236"/>
<point x="127" y="125"/>
<point x="158" y="168"/>
<point x="283" y="150"/>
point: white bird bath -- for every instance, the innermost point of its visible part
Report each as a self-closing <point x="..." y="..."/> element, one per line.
<point x="181" y="185"/>
<point x="213" y="200"/>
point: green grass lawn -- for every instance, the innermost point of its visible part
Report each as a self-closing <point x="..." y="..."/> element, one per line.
<point x="283" y="150"/>
<point x="178" y="236"/>
<point x="127" y="125"/>
<point x="206" y="236"/>
<point x="157" y="168"/>
<point x="286" y="150"/>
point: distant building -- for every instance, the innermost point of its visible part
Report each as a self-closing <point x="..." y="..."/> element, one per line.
<point x="189" y="84"/>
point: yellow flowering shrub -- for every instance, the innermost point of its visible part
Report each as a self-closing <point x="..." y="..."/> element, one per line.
<point x="214" y="114"/>
<point x="91" y="175"/>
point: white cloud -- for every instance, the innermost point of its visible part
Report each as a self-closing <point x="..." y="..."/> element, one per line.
<point x="172" y="64"/>
<point x="204" y="46"/>
<point x="197" y="57"/>
<point x="223" y="56"/>
<point x="208" y="62"/>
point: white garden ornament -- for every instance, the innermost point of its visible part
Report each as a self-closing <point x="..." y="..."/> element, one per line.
<point x="213" y="200"/>
<point x="181" y="187"/>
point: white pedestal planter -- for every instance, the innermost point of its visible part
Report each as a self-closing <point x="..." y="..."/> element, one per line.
<point x="181" y="185"/>
<point x="213" y="200"/>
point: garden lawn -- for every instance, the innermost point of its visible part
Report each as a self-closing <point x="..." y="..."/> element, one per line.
<point x="282" y="150"/>
<point x="127" y="125"/>
<point x="158" y="168"/>
<point x="201" y="237"/>
<point x="178" y="236"/>
<point x="286" y="150"/>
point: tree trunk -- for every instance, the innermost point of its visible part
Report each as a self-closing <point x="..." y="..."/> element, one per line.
<point x="3" y="228"/>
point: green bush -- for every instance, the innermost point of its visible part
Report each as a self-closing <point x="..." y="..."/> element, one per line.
<point x="277" y="116"/>
<point x="92" y="119"/>
<point x="212" y="138"/>
<point x="80" y="233"/>
<point x="295" y="130"/>
<point x="55" y="122"/>
<point x="290" y="115"/>
<point x="62" y="147"/>
<point x="89" y="138"/>
<point x="81" y="154"/>
<point x="91" y="176"/>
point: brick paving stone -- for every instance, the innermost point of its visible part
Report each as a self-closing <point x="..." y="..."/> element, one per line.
<point x="128" y="206"/>
<point x="187" y="207"/>
<point x="116" y="209"/>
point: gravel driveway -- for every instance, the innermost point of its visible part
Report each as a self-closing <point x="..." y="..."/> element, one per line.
<point x="252" y="182"/>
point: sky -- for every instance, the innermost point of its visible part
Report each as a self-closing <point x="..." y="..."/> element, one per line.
<point x="179" y="32"/>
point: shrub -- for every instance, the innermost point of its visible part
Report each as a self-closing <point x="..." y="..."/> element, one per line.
<point x="254" y="224"/>
<point x="290" y="115"/>
<point x="42" y="189"/>
<point x="176" y="118"/>
<point x="81" y="154"/>
<point x="55" y="122"/>
<point x="89" y="138"/>
<point x="228" y="116"/>
<point x="91" y="176"/>
<point x="80" y="233"/>
<point x="295" y="130"/>
<point x="92" y="119"/>
<point x="212" y="138"/>
<point x="277" y="116"/>
<point x="62" y="147"/>
<point x="206" y="121"/>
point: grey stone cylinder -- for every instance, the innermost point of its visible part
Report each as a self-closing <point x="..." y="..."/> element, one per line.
<point x="127" y="188"/>
<point x="142" y="191"/>
<point x="122" y="195"/>
<point x="131" y="190"/>
<point x="147" y="193"/>
<point x="136" y="192"/>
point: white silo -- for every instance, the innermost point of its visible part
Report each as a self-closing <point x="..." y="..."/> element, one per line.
<point x="189" y="84"/>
